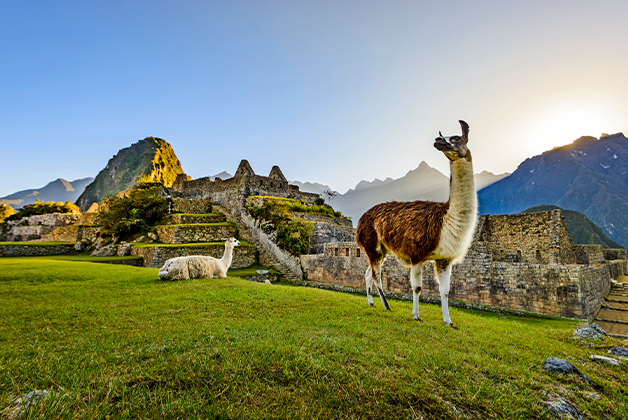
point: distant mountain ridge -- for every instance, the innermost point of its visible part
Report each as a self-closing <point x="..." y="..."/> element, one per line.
<point x="151" y="159"/>
<point x="422" y="183"/>
<point x="589" y="175"/>
<point x="581" y="229"/>
<point x="57" y="190"/>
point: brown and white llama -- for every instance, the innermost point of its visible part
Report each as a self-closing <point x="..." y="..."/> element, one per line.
<point x="419" y="231"/>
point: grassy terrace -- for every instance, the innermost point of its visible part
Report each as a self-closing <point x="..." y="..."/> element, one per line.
<point x="89" y="258"/>
<point x="113" y="341"/>
<point x="196" y="214"/>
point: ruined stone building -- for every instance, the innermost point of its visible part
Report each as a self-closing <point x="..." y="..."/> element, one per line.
<point x="522" y="261"/>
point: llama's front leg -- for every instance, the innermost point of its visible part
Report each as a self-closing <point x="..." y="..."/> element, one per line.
<point x="443" y="268"/>
<point x="377" y="278"/>
<point x="368" y="277"/>
<point x="416" y="281"/>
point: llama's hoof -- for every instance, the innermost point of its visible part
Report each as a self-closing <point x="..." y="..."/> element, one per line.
<point x="418" y="319"/>
<point x="370" y="304"/>
<point x="453" y="326"/>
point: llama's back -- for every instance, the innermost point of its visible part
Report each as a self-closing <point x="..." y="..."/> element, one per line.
<point x="205" y="267"/>
<point x="410" y="229"/>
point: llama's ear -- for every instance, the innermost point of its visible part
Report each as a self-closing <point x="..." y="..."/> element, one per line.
<point x="440" y="134"/>
<point x="465" y="130"/>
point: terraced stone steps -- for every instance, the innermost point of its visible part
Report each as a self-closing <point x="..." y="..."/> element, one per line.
<point x="195" y="232"/>
<point x="187" y="219"/>
<point x="613" y="316"/>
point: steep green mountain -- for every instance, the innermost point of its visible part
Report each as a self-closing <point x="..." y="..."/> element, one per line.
<point x="151" y="159"/>
<point x="589" y="175"/>
<point x="581" y="229"/>
<point x="57" y="190"/>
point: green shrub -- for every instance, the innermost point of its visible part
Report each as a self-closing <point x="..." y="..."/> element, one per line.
<point x="5" y="211"/>
<point x="46" y="207"/>
<point x="124" y="216"/>
<point x="294" y="236"/>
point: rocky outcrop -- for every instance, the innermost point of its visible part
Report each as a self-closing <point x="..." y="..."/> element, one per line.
<point x="150" y="160"/>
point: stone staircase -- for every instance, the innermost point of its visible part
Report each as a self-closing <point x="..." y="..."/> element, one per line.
<point x="613" y="316"/>
<point x="266" y="257"/>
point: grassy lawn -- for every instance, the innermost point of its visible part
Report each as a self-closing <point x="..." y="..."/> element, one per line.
<point x="114" y="341"/>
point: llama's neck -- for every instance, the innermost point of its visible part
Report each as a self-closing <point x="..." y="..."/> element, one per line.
<point x="459" y="222"/>
<point x="462" y="195"/>
<point x="228" y="256"/>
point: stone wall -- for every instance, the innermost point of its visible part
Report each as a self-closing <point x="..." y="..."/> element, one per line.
<point x="182" y="234"/>
<point x="538" y="238"/>
<point x="33" y="250"/>
<point x="156" y="256"/>
<point x="198" y="205"/>
<point x="588" y="254"/>
<point x="62" y="234"/>
<point x="182" y="219"/>
<point x="615" y="254"/>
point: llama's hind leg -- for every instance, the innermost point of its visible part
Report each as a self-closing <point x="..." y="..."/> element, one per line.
<point x="443" y="269"/>
<point x="416" y="280"/>
<point x="377" y="279"/>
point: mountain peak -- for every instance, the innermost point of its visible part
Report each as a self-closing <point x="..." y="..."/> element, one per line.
<point x="149" y="160"/>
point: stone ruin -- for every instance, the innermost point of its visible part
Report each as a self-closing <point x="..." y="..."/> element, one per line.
<point x="522" y="261"/>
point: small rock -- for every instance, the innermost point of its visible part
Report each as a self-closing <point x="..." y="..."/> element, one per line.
<point x="262" y="271"/>
<point x="592" y="332"/>
<point x="608" y="360"/>
<point x="140" y="239"/>
<point x="554" y="364"/>
<point x="105" y="251"/>
<point x="124" y="250"/>
<point x="19" y="406"/>
<point x="619" y="351"/>
<point x="152" y="236"/>
<point x="82" y="245"/>
<point x="267" y="281"/>
<point x="562" y="407"/>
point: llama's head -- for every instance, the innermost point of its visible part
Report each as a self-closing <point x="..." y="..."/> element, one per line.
<point x="231" y="242"/>
<point x="454" y="147"/>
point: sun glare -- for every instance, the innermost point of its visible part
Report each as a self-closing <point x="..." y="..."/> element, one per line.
<point x="564" y="123"/>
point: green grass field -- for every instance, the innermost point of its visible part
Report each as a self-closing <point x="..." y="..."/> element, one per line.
<point x="114" y="342"/>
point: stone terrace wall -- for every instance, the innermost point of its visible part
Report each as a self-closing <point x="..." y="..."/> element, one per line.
<point x="192" y="205"/>
<point x="155" y="256"/>
<point x="33" y="250"/>
<point x="182" y="234"/>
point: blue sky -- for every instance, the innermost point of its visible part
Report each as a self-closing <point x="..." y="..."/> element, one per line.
<point x="331" y="91"/>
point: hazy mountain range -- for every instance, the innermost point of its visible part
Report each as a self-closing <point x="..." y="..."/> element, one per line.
<point x="57" y="190"/>
<point x="422" y="183"/>
<point x="588" y="175"/>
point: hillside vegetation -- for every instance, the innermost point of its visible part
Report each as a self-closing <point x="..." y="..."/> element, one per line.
<point x="148" y="160"/>
<point x="113" y="342"/>
<point x="581" y="229"/>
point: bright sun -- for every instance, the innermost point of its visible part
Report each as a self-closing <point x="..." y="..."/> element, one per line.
<point x="561" y="124"/>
